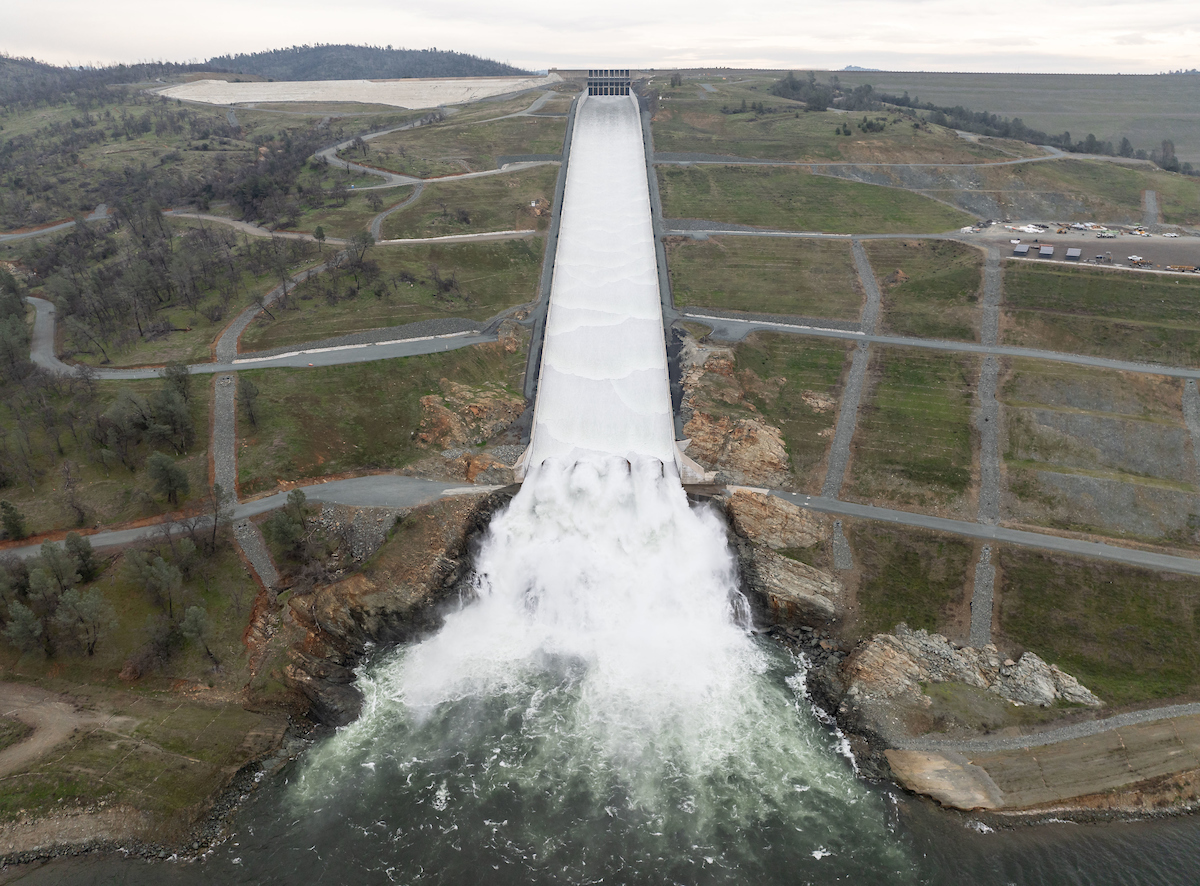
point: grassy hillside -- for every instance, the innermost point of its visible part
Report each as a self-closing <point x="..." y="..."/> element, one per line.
<point x="1144" y="109"/>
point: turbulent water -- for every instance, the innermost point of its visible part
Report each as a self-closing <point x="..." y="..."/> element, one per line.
<point x="599" y="712"/>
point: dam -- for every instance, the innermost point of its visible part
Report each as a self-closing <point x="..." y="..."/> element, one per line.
<point x="599" y="710"/>
<point x="603" y="389"/>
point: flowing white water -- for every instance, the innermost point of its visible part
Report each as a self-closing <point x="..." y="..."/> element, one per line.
<point x="598" y="710"/>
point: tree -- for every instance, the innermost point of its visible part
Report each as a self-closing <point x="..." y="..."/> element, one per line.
<point x="24" y="628"/>
<point x="60" y="565"/>
<point x="162" y="580"/>
<point x="70" y="485"/>
<point x="12" y="520"/>
<point x="1126" y="149"/>
<point x="172" y="420"/>
<point x="319" y="236"/>
<point x="288" y="527"/>
<point x="375" y="201"/>
<point x="195" y="627"/>
<point x="360" y="243"/>
<point x="85" y="558"/>
<point x="169" y="478"/>
<point x="179" y="380"/>
<point x="85" y="617"/>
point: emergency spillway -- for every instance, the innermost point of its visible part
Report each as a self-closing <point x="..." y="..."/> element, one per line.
<point x="603" y="387"/>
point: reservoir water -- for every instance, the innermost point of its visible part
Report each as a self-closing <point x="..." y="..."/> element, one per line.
<point x="599" y="710"/>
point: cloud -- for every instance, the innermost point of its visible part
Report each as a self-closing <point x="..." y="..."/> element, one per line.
<point x="905" y="34"/>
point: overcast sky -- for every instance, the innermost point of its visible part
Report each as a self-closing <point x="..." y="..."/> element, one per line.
<point x="1099" y="36"/>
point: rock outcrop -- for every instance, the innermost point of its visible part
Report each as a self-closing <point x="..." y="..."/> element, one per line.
<point x="883" y="678"/>
<point x="772" y="521"/>
<point x="465" y="415"/>
<point x="398" y="597"/>
<point x="727" y="434"/>
<point x="791" y="592"/>
<point x="782" y="591"/>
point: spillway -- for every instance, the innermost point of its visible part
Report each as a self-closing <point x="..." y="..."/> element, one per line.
<point x="603" y="387"/>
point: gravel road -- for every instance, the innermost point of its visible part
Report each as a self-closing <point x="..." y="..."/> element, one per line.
<point x="52" y="717"/>
<point x="1150" y="209"/>
<point x="987" y="422"/>
<point x="981" y="599"/>
<point x="377" y="221"/>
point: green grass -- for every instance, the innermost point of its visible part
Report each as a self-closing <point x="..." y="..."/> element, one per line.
<point x="492" y="277"/>
<point x="1154" y="398"/>
<point x="322" y="421"/>
<point x="13" y="731"/>
<point x="913" y="445"/>
<point x="353" y="217"/>
<point x="691" y="121"/>
<point x="109" y="494"/>
<point x="450" y="148"/>
<point x="805" y="365"/>
<point x="910" y="576"/>
<point x="1146" y="109"/>
<point x="165" y="757"/>
<point x="941" y="295"/>
<point x="1129" y="316"/>
<point x="794" y="199"/>
<point x="1127" y="634"/>
<point x="492" y="203"/>
<point x="1108" y="192"/>
<point x="811" y="278"/>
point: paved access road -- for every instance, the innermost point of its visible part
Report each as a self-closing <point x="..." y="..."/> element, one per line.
<point x="1020" y="537"/>
<point x="42" y="352"/>
<point x="376" y="490"/>
<point x="395" y="179"/>
<point x="736" y="328"/>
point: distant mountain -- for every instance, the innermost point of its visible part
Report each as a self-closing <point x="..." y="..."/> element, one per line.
<point x="857" y="68"/>
<point x="360" y="63"/>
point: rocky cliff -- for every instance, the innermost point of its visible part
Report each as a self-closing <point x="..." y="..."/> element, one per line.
<point x="399" y="596"/>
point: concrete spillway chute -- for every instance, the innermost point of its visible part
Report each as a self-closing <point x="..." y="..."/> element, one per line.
<point x="603" y="387"/>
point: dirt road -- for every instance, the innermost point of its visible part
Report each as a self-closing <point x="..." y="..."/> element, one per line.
<point x="52" y="717"/>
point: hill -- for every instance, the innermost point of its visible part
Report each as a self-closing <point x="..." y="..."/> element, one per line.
<point x="27" y="82"/>
<point x="1143" y="108"/>
<point x="341" y="62"/>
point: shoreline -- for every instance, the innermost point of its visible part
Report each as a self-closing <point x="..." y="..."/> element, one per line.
<point x="1170" y="795"/>
<point x="1141" y="802"/>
